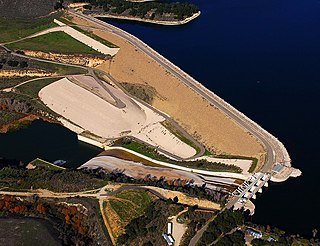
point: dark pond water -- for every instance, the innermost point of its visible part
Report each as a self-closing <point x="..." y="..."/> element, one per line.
<point x="46" y="141"/>
<point x="264" y="58"/>
<point x="28" y="232"/>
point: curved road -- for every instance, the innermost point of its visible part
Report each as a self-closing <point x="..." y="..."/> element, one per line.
<point x="200" y="149"/>
<point x="273" y="147"/>
<point x="275" y="151"/>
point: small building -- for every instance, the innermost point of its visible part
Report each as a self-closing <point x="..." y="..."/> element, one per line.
<point x="255" y="234"/>
<point x="169" y="239"/>
<point x="271" y="239"/>
<point x="170" y="225"/>
<point x="278" y="168"/>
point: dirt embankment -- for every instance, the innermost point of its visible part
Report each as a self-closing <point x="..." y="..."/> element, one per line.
<point x="21" y="111"/>
<point x="206" y="123"/>
<point x="26" y="73"/>
<point x="27" y="118"/>
<point x="75" y="59"/>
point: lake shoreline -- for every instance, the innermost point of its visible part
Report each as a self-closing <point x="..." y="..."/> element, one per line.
<point x="159" y="22"/>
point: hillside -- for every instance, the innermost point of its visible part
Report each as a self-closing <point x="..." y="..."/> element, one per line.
<point x="26" y="8"/>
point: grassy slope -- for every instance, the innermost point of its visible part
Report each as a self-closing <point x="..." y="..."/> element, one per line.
<point x="132" y="205"/>
<point x="14" y="28"/>
<point x="46" y="165"/>
<point x="135" y="203"/>
<point x="32" y="89"/>
<point x="200" y="164"/>
<point x="65" y="19"/>
<point x="59" y="69"/>
<point x="12" y="81"/>
<point x="95" y="37"/>
<point x="58" y="42"/>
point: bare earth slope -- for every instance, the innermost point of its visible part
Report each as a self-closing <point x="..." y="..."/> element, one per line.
<point x="26" y="8"/>
<point x="213" y="128"/>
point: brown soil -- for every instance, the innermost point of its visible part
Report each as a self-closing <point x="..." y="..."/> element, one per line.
<point x="114" y="221"/>
<point x="75" y="59"/>
<point x="206" y="123"/>
<point x="5" y="128"/>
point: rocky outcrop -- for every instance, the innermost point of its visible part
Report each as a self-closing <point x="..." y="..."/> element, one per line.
<point x="75" y="59"/>
<point x="26" y="73"/>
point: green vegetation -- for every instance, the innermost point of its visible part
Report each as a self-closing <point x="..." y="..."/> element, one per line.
<point x="281" y="240"/>
<point x="15" y="63"/>
<point x="253" y="165"/>
<point x="8" y="82"/>
<point x="125" y="155"/>
<point x="144" y="92"/>
<point x="207" y="152"/>
<point x="125" y="207"/>
<point x="19" y="103"/>
<point x="135" y="203"/>
<point x="44" y="178"/>
<point x="183" y="186"/>
<point x="58" y="42"/>
<point x="195" y="220"/>
<point x="200" y="164"/>
<point x="254" y="160"/>
<point x="72" y="225"/>
<point x="145" y="10"/>
<point x="8" y="117"/>
<point x="95" y="37"/>
<point x="46" y="165"/>
<point x="66" y="21"/>
<point x="58" y="69"/>
<point x="235" y="238"/>
<point x="32" y="88"/>
<point x="15" y="126"/>
<point x="225" y="222"/>
<point x="149" y="226"/>
<point x="15" y="28"/>
<point x="179" y="135"/>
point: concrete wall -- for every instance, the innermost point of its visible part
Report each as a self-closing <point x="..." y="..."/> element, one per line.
<point x="91" y="141"/>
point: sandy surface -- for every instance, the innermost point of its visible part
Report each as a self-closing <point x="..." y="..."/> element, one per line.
<point x="178" y="229"/>
<point x="93" y="108"/>
<point x="184" y="199"/>
<point x="213" y="128"/>
<point x="188" y="169"/>
<point x="243" y="164"/>
<point x="137" y="170"/>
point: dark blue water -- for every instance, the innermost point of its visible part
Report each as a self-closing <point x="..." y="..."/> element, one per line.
<point x="264" y="58"/>
<point x="47" y="141"/>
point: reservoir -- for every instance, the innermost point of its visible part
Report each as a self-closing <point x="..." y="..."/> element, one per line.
<point x="47" y="141"/>
<point x="263" y="57"/>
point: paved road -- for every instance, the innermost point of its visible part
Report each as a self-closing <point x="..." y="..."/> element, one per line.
<point x="271" y="144"/>
<point x="90" y="71"/>
<point x="274" y="148"/>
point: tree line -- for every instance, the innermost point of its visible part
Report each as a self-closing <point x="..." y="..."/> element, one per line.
<point x="150" y="10"/>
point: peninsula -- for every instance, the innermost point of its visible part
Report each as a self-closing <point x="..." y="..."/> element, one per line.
<point x="149" y="11"/>
<point x="160" y="154"/>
